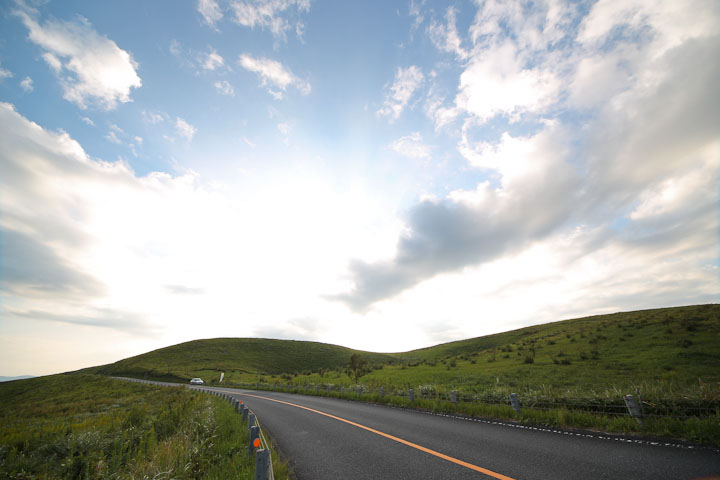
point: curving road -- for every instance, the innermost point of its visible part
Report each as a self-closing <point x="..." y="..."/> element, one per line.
<point x="326" y="438"/>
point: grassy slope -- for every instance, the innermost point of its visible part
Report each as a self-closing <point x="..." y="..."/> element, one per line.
<point x="678" y="348"/>
<point x="674" y="352"/>
<point x="237" y="357"/>
<point x="82" y="426"/>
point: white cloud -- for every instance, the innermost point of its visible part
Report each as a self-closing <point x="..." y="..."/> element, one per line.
<point x="154" y="117"/>
<point x="406" y="83"/>
<point x="5" y="74"/>
<point x="274" y="75"/>
<point x="210" y="11"/>
<point x="496" y="83"/>
<point x="284" y="128"/>
<point x="213" y="61"/>
<point x="200" y="62"/>
<point x="184" y="129"/>
<point x="53" y="62"/>
<point x="76" y="231"/>
<point x="276" y="15"/>
<point x="411" y="146"/>
<point x="27" y="84"/>
<point x="224" y="87"/>
<point x="88" y="121"/>
<point x="112" y="137"/>
<point x="445" y="37"/>
<point x="416" y="11"/>
<point x="91" y="67"/>
<point x="672" y="23"/>
<point x="598" y="79"/>
<point x="633" y="184"/>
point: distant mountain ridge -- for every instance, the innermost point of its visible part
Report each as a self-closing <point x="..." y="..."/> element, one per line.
<point x="10" y="379"/>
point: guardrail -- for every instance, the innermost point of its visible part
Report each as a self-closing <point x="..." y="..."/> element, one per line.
<point x="258" y="444"/>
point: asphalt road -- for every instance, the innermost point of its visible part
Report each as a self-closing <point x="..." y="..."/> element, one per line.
<point x="335" y="439"/>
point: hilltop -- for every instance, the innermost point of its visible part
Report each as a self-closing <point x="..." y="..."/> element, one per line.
<point x="673" y="350"/>
<point x="238" y="358"/>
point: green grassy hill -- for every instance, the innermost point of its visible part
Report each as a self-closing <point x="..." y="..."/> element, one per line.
<point x="673" y="352"/>
<point x="669" y="352"/>
<point x="239" y="358"/>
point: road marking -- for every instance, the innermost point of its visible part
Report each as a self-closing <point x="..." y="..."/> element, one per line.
<point x="490" y="473"/>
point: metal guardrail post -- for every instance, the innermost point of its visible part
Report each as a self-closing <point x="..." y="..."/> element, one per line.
<point x="453" y="396"/>
<point x="262" y="464"/>
<point x="411" y="395"/>
<point x="633" y="407"/>
<point x="251" y="421"/>
<point x="382" y="392"/>
<point x="515" y="402"/>
<point x="244" y="414"/>
<point x="254" y="434"/>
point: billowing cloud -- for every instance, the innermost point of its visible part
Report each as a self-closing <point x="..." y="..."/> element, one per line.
<point x="32" y="268"/>
<point x="92" y="69"/>
<point x="90" y="244"/>
<point x="497" y="83"/>
<point x="276" y="77"/>
<point x="210" y="11"/>
<point x="470" y="227"/>
<point x="627" y="180"/>
<point x="278" y="16"/>
<point x="407" y="81"/>
<point x="44" y="252"/>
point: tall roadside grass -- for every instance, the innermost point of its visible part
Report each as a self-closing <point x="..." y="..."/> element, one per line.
<point x="89" y="427"/>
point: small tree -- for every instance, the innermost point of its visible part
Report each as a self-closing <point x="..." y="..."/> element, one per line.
<point x="358" y="367"/>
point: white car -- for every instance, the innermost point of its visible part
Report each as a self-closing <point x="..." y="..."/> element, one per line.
<point x="196" y="381"/>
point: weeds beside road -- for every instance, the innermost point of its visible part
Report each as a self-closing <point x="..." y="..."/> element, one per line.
<point x="90" y="427"/>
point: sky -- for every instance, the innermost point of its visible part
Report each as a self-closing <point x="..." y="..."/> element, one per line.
<point x="379" y="175"/>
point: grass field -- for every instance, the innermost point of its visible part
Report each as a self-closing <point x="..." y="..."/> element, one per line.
<point x="670" y="356"/>
<point x="89" y="427"/>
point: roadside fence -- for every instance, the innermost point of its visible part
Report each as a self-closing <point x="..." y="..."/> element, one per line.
<point x="633" y="405"/>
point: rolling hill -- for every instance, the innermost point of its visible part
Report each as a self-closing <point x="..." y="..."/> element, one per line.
<point x="237" y="357"/>
<point x="675" y="351"/>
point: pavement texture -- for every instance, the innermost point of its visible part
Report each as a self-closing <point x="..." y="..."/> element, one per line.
<point x="319" y="447"/>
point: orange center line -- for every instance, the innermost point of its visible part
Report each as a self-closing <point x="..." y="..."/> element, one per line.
<point x="396" y="439"/>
